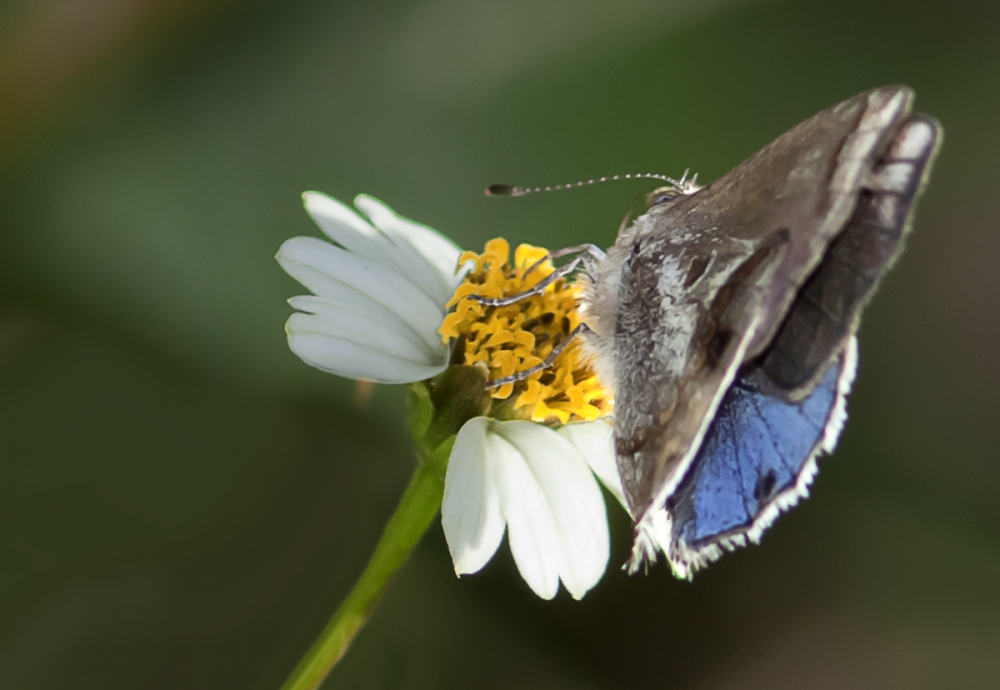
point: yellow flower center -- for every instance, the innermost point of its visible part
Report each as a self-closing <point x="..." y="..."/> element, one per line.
<point x="514" y="338"/>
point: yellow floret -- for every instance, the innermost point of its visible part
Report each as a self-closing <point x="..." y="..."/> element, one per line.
<point x="505" y="340"/>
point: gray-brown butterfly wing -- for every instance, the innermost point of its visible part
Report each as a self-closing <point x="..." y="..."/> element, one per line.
<point x="698" y="286"/>
<point x="829" y="305"/>
<point x="786" y="408"/>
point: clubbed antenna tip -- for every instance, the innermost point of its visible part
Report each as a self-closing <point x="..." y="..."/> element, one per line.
<point x="500" y="190"/>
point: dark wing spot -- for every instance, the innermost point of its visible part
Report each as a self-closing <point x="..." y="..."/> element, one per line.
<point x="722" y="299"/>
<point x="717" y="346"/>
<point x="715" y="335"/>
<point x="696" y="269"/>
<point x="764" y="491"/>
<point x="628" y="446"/>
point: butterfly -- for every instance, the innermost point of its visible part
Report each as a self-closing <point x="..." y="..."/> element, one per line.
<point x="725" y="320"/>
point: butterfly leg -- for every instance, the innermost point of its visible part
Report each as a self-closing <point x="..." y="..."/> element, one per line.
<point x="562" y="271"/>
<point x="538" y="289"/>
<point x="549" y="361"/>
<point x="591" y="249"/>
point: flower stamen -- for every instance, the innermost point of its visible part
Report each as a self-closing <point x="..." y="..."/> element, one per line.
<point x="513" y="338"/>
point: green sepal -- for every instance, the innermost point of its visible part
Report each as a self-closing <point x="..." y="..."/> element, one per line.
<point x="457" y="395"/>
<point x="419" y="409"/>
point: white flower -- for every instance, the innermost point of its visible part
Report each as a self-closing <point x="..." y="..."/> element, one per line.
<point x="377" y="306"/>
<point x="378" y="297"/>
<point x="540" y="484"/>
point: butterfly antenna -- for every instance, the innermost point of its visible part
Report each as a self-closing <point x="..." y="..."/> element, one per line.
<point x="510" y="190"/>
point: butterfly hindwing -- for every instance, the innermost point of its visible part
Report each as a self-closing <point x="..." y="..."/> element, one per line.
<point x="757" y="460"/>
<point x="829" y="306"/>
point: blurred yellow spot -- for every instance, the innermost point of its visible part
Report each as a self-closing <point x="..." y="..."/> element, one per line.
<point x="510" y="339"/>
<point x="362" y="393"/>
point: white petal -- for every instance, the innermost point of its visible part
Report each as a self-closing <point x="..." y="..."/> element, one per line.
<point x="344" y="226"/>
<point x="327" y="270"/>
<point x="470" y="512"/>
<point x="368" y="323"/>
<point x="554" y="490"/>
<point x="437" y="249"/>
<point x="354" y="361"/>
<point x="375" y="337"/>
<point x="595" y="441"/>
<point x="532" y="530"/>
<point x="424" y="256"/>
<point x="411" y="263"/>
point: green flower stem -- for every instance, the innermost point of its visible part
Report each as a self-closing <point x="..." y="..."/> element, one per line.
<point x="416" y="510"/>
<point x="436" y="412"/>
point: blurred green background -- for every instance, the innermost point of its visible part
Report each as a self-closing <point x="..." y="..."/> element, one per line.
<point x="183" y="502"/>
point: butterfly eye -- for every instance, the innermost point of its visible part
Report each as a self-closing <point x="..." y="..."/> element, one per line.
<point x="662" y="198"/>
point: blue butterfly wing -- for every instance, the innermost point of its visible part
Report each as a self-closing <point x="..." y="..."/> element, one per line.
<point x="756" y="460"/>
